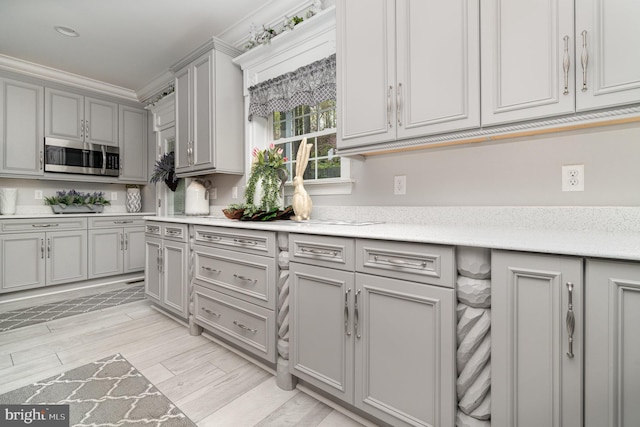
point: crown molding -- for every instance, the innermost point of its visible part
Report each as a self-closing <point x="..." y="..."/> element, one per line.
<point x="31" y="69"/>
<point x="155" y="87"/>
<point x="270" y="15"/>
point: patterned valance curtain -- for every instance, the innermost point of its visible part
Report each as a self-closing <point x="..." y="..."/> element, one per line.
<point x="308" y="85"/>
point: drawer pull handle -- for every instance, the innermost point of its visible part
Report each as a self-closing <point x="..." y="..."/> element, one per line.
<point x="211" y="270"/>
<point x="401" y="262"/>
<point x="153" y="229"/>
<point x="246" y="279"/>
<point x="320" y="252"/>
<point x="210" y="236"/>
<point x="129" y="221"/>
<point x="356" y="315"/>
<point x="173" y="232"/>
<point x="571" y="320"/>
<point x="346" y="312"/>
<point x="245" y="242"/>
<point x="213" y="313"/>
<point x="244" y="327"/>
<point x="45" y="225"/>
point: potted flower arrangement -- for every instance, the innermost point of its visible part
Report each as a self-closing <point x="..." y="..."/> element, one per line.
<point x="264" y="193"/>
<point x="164" y="170"/>
<point x="73" y="201"/>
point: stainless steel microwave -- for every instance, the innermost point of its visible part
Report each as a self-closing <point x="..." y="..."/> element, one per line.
<point x="81" y="157"/>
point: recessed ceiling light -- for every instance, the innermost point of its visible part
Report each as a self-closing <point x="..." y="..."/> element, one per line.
<point x="66" y="31"/>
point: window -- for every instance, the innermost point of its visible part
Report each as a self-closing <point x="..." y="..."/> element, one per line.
<point x="318" y="124"/>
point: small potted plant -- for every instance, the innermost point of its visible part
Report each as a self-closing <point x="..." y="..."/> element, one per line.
<point x="73" y="201"/>
<point x="164" y="170"/>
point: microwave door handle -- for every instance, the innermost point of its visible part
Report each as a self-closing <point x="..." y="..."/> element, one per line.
<point x="104" y="160"/>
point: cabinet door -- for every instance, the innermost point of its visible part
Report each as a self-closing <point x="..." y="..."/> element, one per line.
<point x="64" y="115"/>
<point x="175" y="262"/>
<point x="134" y="249"/>
<point x="105" y="252"/>
<point x="183" y="119"/>
<point x="608" y="32"/>
<point x="152" y="274"/>
<point x="366" y="80"/>
<point x="524" y="45"/>
<point x="202" y="113"/>
<point x="101" y="122"/>
<point x="405" y="351"/>
<point x="66" y="256"/>
<point x="534" y="380"/>
<point x="321" y="328"/>
<point x="438" y="66"/>
<point x="133" y="144"/>
<point x="612" y="347"/>
<point x="23" y="261"/>
<point x="21" y="131"/>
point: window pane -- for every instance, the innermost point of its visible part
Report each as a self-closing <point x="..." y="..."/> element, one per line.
<point x="310" y="172"/>
<point x="326" y="143"/>
<point x="329" y="168"/>
<point x="302" y="125"/>
<point x="327" y="105"/>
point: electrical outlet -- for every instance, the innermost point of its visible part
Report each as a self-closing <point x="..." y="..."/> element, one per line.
<point x="114" y="195"/>
<point x="234" y="192"/>
<point x="213" y="193"/>
<point x="37" y="194"/>
<point x="573" y="178"/>
<point x="399" y="184"/>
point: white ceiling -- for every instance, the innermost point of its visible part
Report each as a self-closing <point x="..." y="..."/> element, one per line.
<point x="126" y="43"/>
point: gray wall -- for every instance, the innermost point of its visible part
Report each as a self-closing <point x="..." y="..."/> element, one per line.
<point x="522" y="171"/>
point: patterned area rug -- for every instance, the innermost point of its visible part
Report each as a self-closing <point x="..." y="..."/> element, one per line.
<point x="109" y="392"/>
<point x="44" y="313"/>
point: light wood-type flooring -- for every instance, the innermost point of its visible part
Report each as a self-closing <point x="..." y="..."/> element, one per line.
<point x="211" y="384"/>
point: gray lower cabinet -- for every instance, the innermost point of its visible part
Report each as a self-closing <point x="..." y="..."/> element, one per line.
<point x="234" y="287"/>
<point x="32" y="258"/>
<point x="537" y="340"/>
<point x="167" y="266"/>
<point x="116" y="246"/>
<point x="383" y="344"/>
<point x="612" y="347"/>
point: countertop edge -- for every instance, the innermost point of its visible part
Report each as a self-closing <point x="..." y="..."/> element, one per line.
<point x="585" y="243"/>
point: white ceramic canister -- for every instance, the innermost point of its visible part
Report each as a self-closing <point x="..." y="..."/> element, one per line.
<point x="8" y="200"/>
<point x="197" y="199"/>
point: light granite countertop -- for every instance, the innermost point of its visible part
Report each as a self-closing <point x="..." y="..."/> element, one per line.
<point x="52" y="215"/>
<point x="591" y="232"/>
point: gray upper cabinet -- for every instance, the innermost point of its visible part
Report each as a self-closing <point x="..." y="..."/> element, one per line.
<point x="612" y="347"/>
<point x="406" y="69"/>
<point x="84" y="119"/>
<point x="209" y="111"/>
<point x="607" y="35"/>
<point x="524" y="48"/>
<point x="133" y="144"/>
<point x="21" y="128"/>
<point x="537" y="358"/>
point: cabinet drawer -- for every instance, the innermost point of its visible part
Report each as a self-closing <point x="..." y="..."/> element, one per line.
<point x="245" y="276"/>
<point x="43" y="224"/>
<point x="250" y="241"/>
<point x="418" y="262"/>
<point x="246" y="325"/>
<point x="332" y="252"/>
<point x="178" y="232"/>
<point x="115" y="221"/>
<point x="153" y="228"/>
